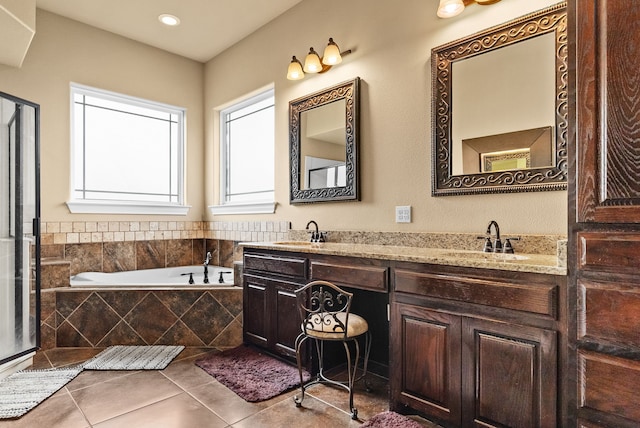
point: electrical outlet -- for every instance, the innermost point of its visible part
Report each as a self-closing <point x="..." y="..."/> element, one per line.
<point x="403" y="214"/>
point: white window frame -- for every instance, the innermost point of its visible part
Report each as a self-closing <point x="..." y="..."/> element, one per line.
<point x="98" y="206"/>
<point x="261" y="206"/>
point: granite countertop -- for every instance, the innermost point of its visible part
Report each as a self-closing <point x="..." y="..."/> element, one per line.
<point x="535" y="263"/>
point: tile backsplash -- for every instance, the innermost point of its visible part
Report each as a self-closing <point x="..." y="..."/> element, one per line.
<point x="120" y="231"/>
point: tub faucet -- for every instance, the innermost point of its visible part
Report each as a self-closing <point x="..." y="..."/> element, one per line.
<point x="316" y="236"/>
<point x="206" y="267"/>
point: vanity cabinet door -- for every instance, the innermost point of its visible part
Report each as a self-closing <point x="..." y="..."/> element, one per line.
<point x="425" y="356"/>
<point x="286" y="320"/>
<point x="255" y="311"/>
<point x="508" y="375"/>
<point x="271" y="318"/>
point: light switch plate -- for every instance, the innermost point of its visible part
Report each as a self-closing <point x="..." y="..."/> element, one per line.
<point x="403" y="214"/>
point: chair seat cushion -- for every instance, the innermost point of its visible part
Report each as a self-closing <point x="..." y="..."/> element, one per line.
<point x="324" y="326"/>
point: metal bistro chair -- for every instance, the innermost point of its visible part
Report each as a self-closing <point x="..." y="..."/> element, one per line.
<point x="325" y="311"/>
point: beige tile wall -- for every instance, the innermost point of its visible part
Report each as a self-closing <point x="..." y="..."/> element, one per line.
<point x="117" y="231"/>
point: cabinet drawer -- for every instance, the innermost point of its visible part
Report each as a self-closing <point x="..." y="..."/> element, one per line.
<point x="356" y="275"/>
<point x="282" y="265"/>
<point x="609" y="312"/>
<point x="609" y="252"/>
<point x="609" y="384"/>
<point x="539" y="299"/>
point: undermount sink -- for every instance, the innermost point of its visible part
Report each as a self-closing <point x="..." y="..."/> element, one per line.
<point x="486" y="256"/>
<point x="297" y="243"/>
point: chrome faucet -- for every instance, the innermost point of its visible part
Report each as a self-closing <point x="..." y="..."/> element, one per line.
<point x="316" y="236"/>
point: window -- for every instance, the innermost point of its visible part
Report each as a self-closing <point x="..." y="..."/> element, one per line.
<point x="127" y="154"/>
<point x="247" y="156"/>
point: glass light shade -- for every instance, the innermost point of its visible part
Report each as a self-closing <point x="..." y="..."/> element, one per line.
<point x="450" y="8"/>
<point x="312" y="62"/>
<point x="331" y="54"/>
<point x="295" y="70"/>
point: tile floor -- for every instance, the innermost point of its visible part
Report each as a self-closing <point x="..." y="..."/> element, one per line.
<point x="183" y="395"/>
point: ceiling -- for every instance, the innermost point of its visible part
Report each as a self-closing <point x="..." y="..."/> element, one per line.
<point x="207" y="27"/>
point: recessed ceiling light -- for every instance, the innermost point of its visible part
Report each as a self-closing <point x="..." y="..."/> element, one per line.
<point x="169" y="20"/>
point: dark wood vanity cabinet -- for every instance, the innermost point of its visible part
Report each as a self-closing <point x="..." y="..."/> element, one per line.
<point x="270" y="313"/>
<point x="604" y="201"/>
<point x="473" y="347"/>
<point x="270" y="278"/>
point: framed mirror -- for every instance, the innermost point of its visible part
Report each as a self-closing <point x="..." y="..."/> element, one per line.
<point x="499" y="108"/>
<point x="323" y="144"/>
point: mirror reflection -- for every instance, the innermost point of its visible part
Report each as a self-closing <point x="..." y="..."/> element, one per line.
<point x="323" y="138"/>
<point x="323" y="146"/>
<point x="498" y="98"/>
<point x="500" y="108"/>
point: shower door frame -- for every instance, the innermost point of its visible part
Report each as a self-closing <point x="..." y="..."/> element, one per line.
<point x="16" y="213"/>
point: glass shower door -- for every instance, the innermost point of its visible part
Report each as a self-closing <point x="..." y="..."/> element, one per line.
<point x="19" y="228"/>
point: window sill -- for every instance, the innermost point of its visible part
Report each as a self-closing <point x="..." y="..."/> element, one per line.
<point x="126" y="207"/>
<point x="247" y="208"/>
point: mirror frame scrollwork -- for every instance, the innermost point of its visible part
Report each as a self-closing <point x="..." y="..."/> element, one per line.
<point x="554" y="177"/>
<point x="349" y="91"/>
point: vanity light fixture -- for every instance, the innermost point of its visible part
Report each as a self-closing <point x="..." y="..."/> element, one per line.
<point x="168" y="19"/>
<point x="314" y="64"/>
<point x="451" y="8"/>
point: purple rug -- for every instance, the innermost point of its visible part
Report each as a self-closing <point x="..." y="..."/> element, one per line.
<point x="252" y="375"/>
<point x="390" y="420"/>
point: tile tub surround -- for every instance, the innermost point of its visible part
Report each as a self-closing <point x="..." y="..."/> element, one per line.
<point x="200" y="317"/>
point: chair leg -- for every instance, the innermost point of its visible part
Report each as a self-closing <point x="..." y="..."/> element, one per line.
<point x="299" y="341"/>
<point x="367" y="351"/>
<point x="351" y="373"/>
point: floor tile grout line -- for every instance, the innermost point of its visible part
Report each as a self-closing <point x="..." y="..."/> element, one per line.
<point x="200" y="401"/>
<point x="137" y="409"/>
<point x="78" y="407"/>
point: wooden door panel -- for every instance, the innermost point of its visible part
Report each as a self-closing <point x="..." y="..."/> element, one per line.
<point x="509" y="375"/>
<point x="608" y="130"/>
<point x="287" y="320"/>
<point x="255" y="312"/>
<point x="426" y="360"/>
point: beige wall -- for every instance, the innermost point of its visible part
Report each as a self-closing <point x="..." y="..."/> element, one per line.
<point x="392" y="44"/>
<point x="65" y="51"/>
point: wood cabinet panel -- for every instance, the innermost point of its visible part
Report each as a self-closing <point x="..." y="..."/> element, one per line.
<point x="275" y="264"/>
<point x="365" y="277"/>
<point x="540" y="299"/>
<point x="607" y="133"/>
<point x="614" y="252"/>
<point x="270" y="316"/>
<point x="287" y="320"/>
<point x="609" y="312"/>
<point x="425" y="352"/>
<point x="609" y="384"/>
<point x="509" y="378"/>
<point x="255" y="321"/>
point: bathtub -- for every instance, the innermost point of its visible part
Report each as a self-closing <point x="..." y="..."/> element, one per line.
<point x="156" y="278"/>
